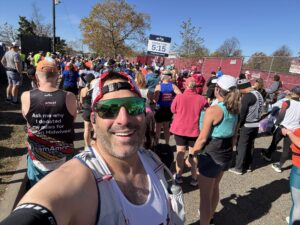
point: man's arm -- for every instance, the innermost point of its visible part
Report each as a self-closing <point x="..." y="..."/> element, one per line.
<point x="3" y="61"/>
<point x="71" y="104"/>
<point x="156" y="93"/>
<point x="18" y="63"/>
<point x="176" y="89"/>
<point x="25" y="102"/>
<point x="69" y="193"/>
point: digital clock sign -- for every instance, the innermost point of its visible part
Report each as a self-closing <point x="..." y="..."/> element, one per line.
<point x="159" y="45"/>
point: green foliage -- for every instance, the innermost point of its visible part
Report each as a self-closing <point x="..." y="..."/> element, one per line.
<point x="259" y="61"/>
<point x="61" y="46"/>
<point x="282" y="59"/>
<point x="26" y="27"/>
<point x="111" y="25"/>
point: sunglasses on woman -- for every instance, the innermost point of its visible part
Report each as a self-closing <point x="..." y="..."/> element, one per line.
<point x="108" y="109"/>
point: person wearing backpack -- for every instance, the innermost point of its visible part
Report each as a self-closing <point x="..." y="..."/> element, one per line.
<point x="113" y="182"/>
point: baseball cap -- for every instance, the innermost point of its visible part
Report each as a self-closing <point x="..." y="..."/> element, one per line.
<point x="225" y="82"/>
<point x="47" y="65"/>
<point x="15" y="44"/>
<point x="296" y="90"/>
<point x="99" y="90"/>
<point x="243" y="83"/>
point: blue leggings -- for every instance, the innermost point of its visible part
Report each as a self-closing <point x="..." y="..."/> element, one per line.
<point x="295" y="192"/>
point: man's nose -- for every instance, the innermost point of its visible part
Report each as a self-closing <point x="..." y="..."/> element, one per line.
<point x="123" y="116"/>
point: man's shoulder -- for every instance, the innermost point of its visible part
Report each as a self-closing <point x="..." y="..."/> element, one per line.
<point x="72" y="175"/>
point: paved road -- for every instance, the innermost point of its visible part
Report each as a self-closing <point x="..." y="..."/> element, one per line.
<point x="258" y="198"/>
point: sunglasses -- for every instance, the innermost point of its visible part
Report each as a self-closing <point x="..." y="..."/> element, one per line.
<point x="108" y="109"/>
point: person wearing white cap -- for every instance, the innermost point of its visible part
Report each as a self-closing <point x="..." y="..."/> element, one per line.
<point x="13" y="65"/>
<point x="213" y="149"/>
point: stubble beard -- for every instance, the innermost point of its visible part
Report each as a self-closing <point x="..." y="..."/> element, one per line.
<point x="105" y="142"/>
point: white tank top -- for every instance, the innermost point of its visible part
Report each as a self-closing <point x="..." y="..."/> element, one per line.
<point x="291" y="119"/>
<point x="153" y="211"/>
<point x="114" y="208"/>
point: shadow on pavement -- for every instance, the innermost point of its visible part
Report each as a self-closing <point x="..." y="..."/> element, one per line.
<point x="78" y="125"/>
<point x="244" y="209"/>
<point x="11" y="118"/>
<point x="5" y="132"/>
<point x="11" y="181"/>
<point x="78" y="136"/>
<point x="12" y="172"/>
<point x="8" y="152"/>
<point x="258" y="161"/>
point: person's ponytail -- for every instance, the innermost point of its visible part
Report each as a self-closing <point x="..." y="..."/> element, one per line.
<point x="232" y="100"/>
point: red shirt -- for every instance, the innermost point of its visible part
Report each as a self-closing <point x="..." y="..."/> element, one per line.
<point x="186" y="108"/>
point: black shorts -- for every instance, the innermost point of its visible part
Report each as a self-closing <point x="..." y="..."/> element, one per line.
<point x="185" y="141"/>
<point x="86" y="115"/>
<point x="163" y="114"/>
<point x="74" y="90"/>
<point x="208" y="167"/>
<point x="216" y="158"/>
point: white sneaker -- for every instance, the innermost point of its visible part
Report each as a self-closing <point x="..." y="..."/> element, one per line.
<point x="276" y="167"/>
<point x="287" y="219"/>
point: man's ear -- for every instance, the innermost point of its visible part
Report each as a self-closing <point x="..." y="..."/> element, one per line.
<point x="93" y="117"/>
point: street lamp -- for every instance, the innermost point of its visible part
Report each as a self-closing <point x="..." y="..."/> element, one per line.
<point x="54" y="3"/>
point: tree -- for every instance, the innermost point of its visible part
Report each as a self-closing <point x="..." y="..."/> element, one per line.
<point x="192" y="43"/>
<point x="26" y="27"/>
<point x="41" y="29"/>
<point x="230" y="48"/>
<point x="216" y="54"/>
<point x="111" y="25"/>
<point x="259" y="61"/>
<point x="8" y="33"/>
<point x="282" y="59"/>
<point x="61" y="46"/>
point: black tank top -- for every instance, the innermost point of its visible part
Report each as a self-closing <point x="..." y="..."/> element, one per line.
<point x="87" y="100"/>
<point x="50" y="126"/>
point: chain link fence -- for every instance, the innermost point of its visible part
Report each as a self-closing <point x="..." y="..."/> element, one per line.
<point x="288" y="68"/>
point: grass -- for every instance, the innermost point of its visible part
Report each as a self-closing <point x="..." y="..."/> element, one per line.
<point x="12" y="137"/>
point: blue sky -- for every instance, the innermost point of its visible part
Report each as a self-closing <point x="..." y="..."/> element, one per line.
<point x="259" y="25"/>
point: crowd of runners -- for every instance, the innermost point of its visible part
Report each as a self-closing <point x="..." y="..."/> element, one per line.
<point x="207" y="118"/>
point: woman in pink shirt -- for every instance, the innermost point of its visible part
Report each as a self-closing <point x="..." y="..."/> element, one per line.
<point x="186" y="108"/>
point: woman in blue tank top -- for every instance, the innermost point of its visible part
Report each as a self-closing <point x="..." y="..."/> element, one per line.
<point x="215" y="144"/>
<point x="163" y="96"/>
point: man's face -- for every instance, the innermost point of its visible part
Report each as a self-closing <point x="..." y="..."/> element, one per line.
<point x="122" y="136"/>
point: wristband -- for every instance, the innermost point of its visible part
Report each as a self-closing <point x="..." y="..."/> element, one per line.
<point x="193" y="155"/>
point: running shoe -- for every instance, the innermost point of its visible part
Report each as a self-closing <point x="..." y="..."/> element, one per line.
<point x="194" y="182"/>
<point x="265" y="157"/>
<point x="235" y="171"/>
<point x="276" y="167"/>
<point x="178" y="179"/>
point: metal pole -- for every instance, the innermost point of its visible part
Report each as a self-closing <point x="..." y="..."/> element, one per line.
<point x="270" y="69"/>
<point x="53" y="16"/>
